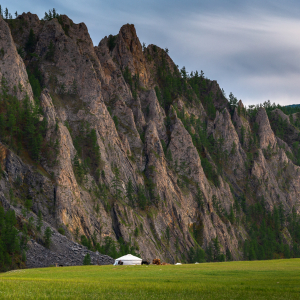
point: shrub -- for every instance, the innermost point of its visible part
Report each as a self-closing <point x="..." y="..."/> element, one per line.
<point x="111" y="42"/>
<point x="47" y="237"/>
<point x="87" y="260"/>
<point x="61" y="230"/>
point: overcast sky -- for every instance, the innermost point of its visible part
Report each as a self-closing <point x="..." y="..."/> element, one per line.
<point x="252" y="48"/>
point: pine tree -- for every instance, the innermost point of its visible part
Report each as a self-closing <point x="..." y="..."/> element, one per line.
<point x="231" y="215"/>
<point x="47" y="237"/>
<point x="141" y="197"/>
<point x="199" y="197"/>
<point x="216" y="249"/>
<point x="30" y="45"/>
<point x="87" y="260"/>
<point x="281" y="215"/>
<point x="209" y="253"/>
<point x="39" y="221"/>
<point x="228" y="255"/>
<point x="130" y="192"/>
<point x="6" y="13"/>
<point x="116" y="184"/>
<point x="28" y="205"/>
<point x="51" y="51"/>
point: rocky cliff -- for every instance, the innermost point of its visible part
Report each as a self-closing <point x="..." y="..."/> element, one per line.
<point x="135" y="152"/>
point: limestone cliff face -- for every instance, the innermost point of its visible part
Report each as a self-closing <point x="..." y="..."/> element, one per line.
<point x="113" y="90"/>
<point x="12" y="67"/>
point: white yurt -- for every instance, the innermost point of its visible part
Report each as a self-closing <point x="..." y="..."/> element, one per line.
<point x="129" y="260"/>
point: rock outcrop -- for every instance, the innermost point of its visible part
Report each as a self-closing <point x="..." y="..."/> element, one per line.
<point x="13" y="73"/>
<point x="135" y="152"/>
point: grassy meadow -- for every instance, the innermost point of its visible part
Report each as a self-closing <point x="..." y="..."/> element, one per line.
<point x="276" y="279"/>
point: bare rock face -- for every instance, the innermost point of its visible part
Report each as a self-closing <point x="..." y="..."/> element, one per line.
<point x="129" y="53"/>
<point x="225" y="133"/>
<point x="48" y="109"/>
<point x="242" y="124"/>
<point x="154" y="112"/>
<point x="266" y="135"/>
<point x="88" y="98"/>
<point x="12" y="67"/>
<point x="292" y="133"/>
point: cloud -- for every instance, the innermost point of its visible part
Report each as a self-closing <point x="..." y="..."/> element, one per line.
<point x="250" y="47"/>
<point x="237" y="50"/>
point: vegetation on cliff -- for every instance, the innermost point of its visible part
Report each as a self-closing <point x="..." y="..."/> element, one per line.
<point x="139" y="156"/>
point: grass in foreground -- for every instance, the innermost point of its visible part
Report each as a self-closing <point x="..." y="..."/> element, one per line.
<point x="276" y="279"/>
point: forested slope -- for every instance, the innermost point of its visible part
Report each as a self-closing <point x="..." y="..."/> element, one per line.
<point x="118" y="149"/>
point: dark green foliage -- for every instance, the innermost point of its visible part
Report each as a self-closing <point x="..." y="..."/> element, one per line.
<point x="10" y="248"/>
<point x="209" y="171"/>
<point x="132" y="81"/>
<point x="74" y="88"/>
<point x="153" y="197"/>
<point x="199" y="197"/>
<point x="39" y="221"/>
<point x="280" y="126"/>
<point x="196" y="254"/>
<point x="116" y="185"/>
<point x="61" y="230"/>
<point x="171" y="84"/>
<point x="111" y="42"/>
<point x="87" y="147"/>
<point x="209" y="253"/>
<point x="266" y="235"/>
<point x="116" y="121"/>
<point x="127" y="76"/>
<point x="231" y="216"/>
<point x="164" y="146"/>
<point x="209" y="105"/>
<point x="205" y="143"/>
<point x="20" y="124"/>
<point x="86" y="242"/>
<point x="47" y="237"/>
<point x="79" y="169"/>
<point x="51" y="15"/>
<point x="76" y="233"/>
<point x="87" y="260"/>
<point x="31" y="42"/>
<point x="201" y="87"/>
<point x="169" y="155"/>
<point x="228" y="255"/>
<point x="130" y="193"/>
<point x="109" y="247"/>
<point x="136" y="232"/>
<point x="51" y="51"/>
<point x="6" y="13"/>
<point x="233" y="102"/>
<point x="142" y="200"/>
<point x="2" y="53"/>
<point x="35" y="84"/>
<point x="213" y="251"/>
<point x="168" y="233"/>
<point x="28" y="205"/>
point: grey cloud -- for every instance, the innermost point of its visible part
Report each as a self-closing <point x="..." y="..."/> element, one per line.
<point x="250" y="47"/>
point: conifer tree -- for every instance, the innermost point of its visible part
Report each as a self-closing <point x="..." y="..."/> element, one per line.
<point x="30" y="44"/>
<point x="47" y="237"/>
<point x="117" y="184"/>
<point x="130" y="192"/>
<point x="6" y="13"/>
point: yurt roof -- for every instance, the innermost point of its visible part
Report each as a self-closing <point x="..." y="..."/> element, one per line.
<point x="128" y="257"/>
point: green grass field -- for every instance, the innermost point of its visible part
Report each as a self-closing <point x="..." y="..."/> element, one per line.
<point x="276" y="279"/>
